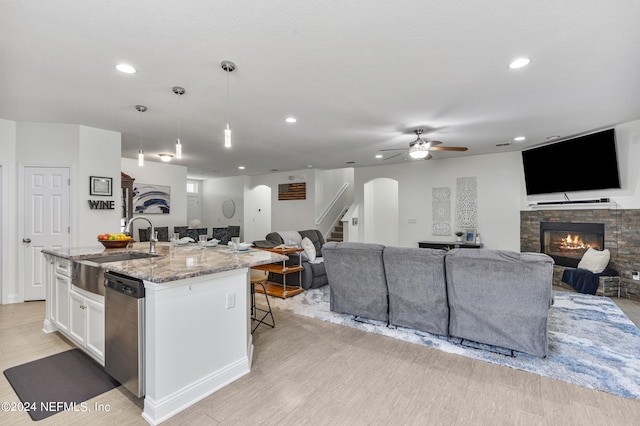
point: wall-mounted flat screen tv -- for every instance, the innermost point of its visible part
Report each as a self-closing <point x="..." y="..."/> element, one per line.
<point x="584" y="163"/>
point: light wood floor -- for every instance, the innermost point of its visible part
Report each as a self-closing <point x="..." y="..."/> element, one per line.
<point x="312" y="372"/>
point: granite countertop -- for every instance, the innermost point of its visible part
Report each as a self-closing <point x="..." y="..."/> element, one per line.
<point x="172" y="263"/>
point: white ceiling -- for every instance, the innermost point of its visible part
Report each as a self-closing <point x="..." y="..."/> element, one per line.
<point x="359" y="76"/>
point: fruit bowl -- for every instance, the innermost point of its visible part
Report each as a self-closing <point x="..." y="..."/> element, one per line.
<point x="115" y="243"/>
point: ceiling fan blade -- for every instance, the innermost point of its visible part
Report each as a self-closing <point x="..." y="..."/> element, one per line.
<point x="393" y="156"/>
<point x="448" y="148"/>
<point x="432" y="143"/>
<point x="393" y="149"/>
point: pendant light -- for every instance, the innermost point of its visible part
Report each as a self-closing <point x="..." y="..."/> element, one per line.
<point x="228" y="66"/>
<point x="141" y="109"/>
<point x="178" y="91"/>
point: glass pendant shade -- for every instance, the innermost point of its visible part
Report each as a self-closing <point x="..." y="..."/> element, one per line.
<point x="178" y="148"/>
<point x="227" y="136"/>
<point x="140" y="158"/>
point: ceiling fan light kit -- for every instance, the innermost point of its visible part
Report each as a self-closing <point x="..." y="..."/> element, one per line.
<point x="420" y="149"/>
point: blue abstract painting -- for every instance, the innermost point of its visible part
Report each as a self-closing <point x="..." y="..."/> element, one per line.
<point x="151" y="199"/>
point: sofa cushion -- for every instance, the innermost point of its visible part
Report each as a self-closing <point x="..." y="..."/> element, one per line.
<point x="355" y="273"/>
<point x="500" y="297"/>
<point x="594" y="261"/>
<point x="290" y="237"/>
<point x="417" y="288"/>
<point x="309" y="249"/>
<point x="316" y="238"/>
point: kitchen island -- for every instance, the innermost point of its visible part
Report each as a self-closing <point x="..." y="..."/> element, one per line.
<point x="197" y="317"/>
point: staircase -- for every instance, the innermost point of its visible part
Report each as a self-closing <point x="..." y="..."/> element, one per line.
<point x="337" y="234"/>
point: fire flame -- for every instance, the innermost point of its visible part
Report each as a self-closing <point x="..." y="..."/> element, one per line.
<point x="573" y="243"/>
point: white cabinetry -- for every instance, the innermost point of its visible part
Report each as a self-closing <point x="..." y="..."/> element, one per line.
<point x="86" y="322"/>
<point x="60" y="306"/>
<point x="77" y="314"/>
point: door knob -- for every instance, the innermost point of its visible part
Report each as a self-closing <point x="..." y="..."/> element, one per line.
<point x="26" y="240"/>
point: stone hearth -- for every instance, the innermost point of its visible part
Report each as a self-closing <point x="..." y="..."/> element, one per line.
<point x="621" y="237"/>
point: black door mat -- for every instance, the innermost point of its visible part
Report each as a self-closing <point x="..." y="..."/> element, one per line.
<point x="59" y="382"/>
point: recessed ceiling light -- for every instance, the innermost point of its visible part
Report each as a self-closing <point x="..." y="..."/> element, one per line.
<point x="290" y="119"/>
<point x="241" y="167"/>
<point x="519" y="63"/>
<point x="309" y="165"/>
<point x="126" y="68"/>
<point x="519" y="138"/>
<point x="379" y="155"/>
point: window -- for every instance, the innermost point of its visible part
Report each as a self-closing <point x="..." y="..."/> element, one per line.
<point x="192" y="187"/>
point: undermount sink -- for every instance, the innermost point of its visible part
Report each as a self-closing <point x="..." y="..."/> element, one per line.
<point x="88" y="275"/>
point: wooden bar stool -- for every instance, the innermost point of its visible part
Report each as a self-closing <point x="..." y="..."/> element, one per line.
<point x="259" y="278"/>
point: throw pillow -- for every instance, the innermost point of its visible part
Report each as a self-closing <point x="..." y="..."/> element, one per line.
<point x="309" y="249"/>
<point x="595" y="261"/>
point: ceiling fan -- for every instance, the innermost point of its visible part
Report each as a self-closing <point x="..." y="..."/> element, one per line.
<point x="420" y="148"/>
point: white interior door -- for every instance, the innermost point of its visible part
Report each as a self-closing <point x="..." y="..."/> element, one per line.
<point x="46" y="223"/>
<point x="193" y="208"/>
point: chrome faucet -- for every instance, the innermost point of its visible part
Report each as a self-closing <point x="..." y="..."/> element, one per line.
<point x="152" y="238"/>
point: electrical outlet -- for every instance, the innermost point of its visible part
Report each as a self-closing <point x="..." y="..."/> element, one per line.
<point x="635" y="275"/>
<point x="231" y="300"/>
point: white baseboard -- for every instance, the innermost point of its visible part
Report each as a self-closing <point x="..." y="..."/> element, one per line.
<point x="158" y="411"/>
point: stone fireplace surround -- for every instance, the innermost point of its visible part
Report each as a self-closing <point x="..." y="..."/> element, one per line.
<point x="622" y="238"/>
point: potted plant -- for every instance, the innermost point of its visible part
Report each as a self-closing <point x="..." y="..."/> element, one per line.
<point x="459" y="235"/>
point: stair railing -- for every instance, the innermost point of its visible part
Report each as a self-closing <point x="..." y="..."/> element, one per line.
<point x="333" y="213"/>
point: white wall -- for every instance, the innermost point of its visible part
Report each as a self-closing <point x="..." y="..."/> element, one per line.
<point x="257" y="213"/>
<point x="499" y="180"/>
<point x="8" y="213"/>
<point x="291" y="214"/>
<point x="86" y="151"/>
<point x="161" y="174"/>
<point x="214" y="192"/>
<point x="99" y="155"/>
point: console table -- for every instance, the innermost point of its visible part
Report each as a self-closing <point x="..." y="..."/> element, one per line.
<point x="447" y="245"/>
<point x="274" y="289"/>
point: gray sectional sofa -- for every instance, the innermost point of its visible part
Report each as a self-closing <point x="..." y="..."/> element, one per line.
<point x="314" y="274"/>
<point x="495" y="297"/>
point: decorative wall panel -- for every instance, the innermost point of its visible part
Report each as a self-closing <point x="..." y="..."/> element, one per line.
<point x="466" y="203"/>
<point x="441" y="205"/>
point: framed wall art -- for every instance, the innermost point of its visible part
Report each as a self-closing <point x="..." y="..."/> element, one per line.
<point x="151" y="199"/>
<point x="292" y="191"/>
<point x="101" y="186"/>
<point x="470" y="236"/>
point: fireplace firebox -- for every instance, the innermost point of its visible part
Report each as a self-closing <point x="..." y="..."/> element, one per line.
<point x="566" y="242"/>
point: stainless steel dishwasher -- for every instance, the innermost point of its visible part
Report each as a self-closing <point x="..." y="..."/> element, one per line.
<point x="124" y="331"/>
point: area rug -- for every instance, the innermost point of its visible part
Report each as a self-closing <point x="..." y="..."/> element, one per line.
<point x="592" y="343"/>
<point x="60" y="382"/>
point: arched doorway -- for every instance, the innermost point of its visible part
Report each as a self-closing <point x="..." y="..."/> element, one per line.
<point x="381" y="211"/>
<point x="257" y="213"/>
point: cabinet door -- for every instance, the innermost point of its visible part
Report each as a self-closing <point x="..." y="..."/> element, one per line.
<point x="95" y="328"/>
<point x="77" y="318"/>
<point x="61" y="302"/>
